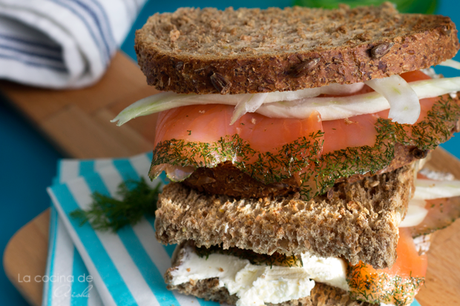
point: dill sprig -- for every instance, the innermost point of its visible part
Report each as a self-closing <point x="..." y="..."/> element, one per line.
<point x="276" y="259"/>
<point x="379" y="287"/>
<point x="107" y="213"/>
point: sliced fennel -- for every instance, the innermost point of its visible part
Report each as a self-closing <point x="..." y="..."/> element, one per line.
<point x="332" y="108"/>
<point x="435" y="87"/>
<point x="331" y="89"/>
<point x="430" y="189"/>
<point x="248" y="106"/>
<point x="426" y="189"/>
<point x="451" y="63"/>
<point x="168" y="100"/>
<point x="415" y="214"/>
<point x="293" y="104"/>
<point x="341" y="89"/>
<point x="404" y="102"/>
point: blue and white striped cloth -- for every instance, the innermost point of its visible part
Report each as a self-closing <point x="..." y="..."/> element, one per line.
<point x="126" y="268"/>
<point x="61" y="43"/>
<point x="87" y="267"/>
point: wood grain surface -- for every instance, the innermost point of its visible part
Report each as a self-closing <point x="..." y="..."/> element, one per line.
<point x="26" y="254"/>
<point x="77" y="122"/>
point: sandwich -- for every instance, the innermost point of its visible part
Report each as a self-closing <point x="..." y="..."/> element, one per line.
<point x="292" y="138"/>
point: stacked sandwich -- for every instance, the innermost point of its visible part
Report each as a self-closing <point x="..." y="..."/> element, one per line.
<point x="292" y="138"/>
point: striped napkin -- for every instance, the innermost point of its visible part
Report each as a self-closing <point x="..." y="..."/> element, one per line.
<point x="61" y="43"/>
<point x="87" y="267"/>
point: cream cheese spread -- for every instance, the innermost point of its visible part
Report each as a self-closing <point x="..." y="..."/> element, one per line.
<point x="256" y="285"/>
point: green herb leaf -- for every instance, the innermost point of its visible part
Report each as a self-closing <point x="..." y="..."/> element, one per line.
<point x="404" y="6"/>
<point x="276" y="259"/>
<point x="106" y="213"/>
<point x="379" y="287"/>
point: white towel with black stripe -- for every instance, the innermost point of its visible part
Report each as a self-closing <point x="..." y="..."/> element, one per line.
<point x="61" y="43"/>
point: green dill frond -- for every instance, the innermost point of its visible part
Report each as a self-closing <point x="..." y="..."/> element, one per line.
<point x="380" y="287"/>
<point x="106" y="213"/>
<point x="276" y="259"/>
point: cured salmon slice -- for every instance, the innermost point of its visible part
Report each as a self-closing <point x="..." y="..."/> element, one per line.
<point x="313" y="152"/>
<point x="209" y="123"/>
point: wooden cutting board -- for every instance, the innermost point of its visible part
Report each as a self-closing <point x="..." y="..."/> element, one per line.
<point x="77" y="121"/>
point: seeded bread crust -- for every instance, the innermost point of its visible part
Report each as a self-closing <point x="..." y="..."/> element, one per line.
<point x="252" y="50"/>
<point x="356" y="221"/>
<point x="209" y="289"/>
<point x="321" y="295"/>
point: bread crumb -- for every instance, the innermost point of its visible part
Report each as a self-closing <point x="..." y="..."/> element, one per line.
<point x="245" y="38"/>
<point x="174" y="35"/>
<point x="342" y="29"/>
<point x="374" y="184"/>
<point x="214" y="24"/>
<point x="250" y="23"/>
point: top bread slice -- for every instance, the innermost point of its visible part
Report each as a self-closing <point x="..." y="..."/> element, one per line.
<point x="252" y="50"/>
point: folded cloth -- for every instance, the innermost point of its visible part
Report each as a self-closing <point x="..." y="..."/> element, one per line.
<point x="88" y="267"/>
<point x="61" y="43"/>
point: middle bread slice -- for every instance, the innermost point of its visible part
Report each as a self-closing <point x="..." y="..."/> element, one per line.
<point x="357" y="222"/>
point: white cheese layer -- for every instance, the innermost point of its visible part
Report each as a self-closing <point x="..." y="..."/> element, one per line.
<point x="256" y="285"/>
<point x="327" y="270"/>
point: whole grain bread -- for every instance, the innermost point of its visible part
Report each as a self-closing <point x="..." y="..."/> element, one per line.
<point x="321" y="295"/>
<point x="252" y="50"/>
<point x="356" y="221"/>
<point x="209" y="289"/>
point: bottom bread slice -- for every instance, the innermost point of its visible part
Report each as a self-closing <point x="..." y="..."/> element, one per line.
<point x="357" y="221"/>
<point x="321" y="294"/>
<point x="210" y="289"/>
